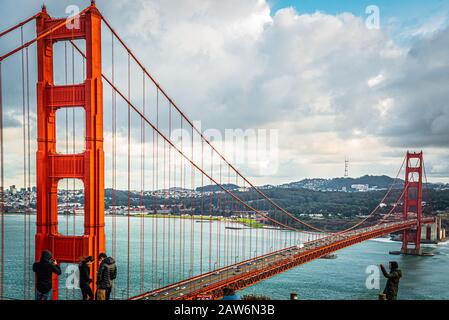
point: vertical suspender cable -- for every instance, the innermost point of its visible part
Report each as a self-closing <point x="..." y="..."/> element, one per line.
<point x="202" y="207"/>
<point x="176" y="205"/>
<point x="227" y="241"/>
<point x="231" y="217"/>
<point x="177" y="208"/>
<point x="29" y="173"/>
<point x="153" y="208"/>
<point x="153" y="212"/>
<point x="164" y="217"/>
<point x="2" y="195"/>
<point x="142" y="202"/>
<point x="169" y="195"/>
<point x="156" y="189"/>
<point x="184" y="206"/>
<point x="24" y="123"/>
<point x="244" y="221"/>
<point x="210" y="208"/>
<point x="219" y="221"/>
<point x="114" y="158"/>
<point x="257" y="227"/>
<point x="236" y="234"/>
<point x="193" y="206"/>
<point x="129" y="175"/>
<point x="251" y="221"/>
<point x="172" y="223"/>
<point x="181" y="210"/>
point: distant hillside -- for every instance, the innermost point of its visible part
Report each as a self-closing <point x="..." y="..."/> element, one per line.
<point x="215" y="188"/>
<point x="297" y="200"/>
<point x="338" y="184"/>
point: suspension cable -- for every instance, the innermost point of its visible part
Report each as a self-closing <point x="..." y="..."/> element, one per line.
<point x="21" y="24"/>
<point x="44" y="34"/>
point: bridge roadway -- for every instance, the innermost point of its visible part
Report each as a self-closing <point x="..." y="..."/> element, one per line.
<point x="249" y="272"/>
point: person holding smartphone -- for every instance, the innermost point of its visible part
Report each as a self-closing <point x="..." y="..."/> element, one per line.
<point x="392" y="286"/>
<point x="44" y="270"/>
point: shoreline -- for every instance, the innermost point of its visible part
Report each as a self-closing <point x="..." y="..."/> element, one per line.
<point x="249" y="224"/>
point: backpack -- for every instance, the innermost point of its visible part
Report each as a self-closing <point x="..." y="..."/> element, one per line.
<point x="113" y="271"/>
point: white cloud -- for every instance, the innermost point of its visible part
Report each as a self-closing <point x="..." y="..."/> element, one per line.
<point x="374" y="81"/>
<point x="325" y="81"/>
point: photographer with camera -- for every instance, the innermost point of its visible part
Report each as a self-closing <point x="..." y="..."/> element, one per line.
<point x="394" y="276"/>
<point x="44" y="270"/>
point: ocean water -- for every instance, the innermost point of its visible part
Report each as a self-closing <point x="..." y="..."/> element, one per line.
<point x="163" y="263"/>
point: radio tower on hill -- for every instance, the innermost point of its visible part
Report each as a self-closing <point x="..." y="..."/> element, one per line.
<point x="346" y="167"/>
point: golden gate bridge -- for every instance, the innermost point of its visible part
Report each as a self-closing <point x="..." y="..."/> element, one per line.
<point x="197" y="258"/>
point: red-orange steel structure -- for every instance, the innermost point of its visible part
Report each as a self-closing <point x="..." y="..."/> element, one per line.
<point x="88" y="166"/>
<point x="413" y="201"/>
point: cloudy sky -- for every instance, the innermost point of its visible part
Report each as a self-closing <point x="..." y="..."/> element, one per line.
<point x="314" y="71"/>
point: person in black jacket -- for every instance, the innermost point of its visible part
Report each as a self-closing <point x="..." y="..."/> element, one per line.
<point x="44" y="270"/>
<point x="106" y="274"/>
<point x="85" y="279"/>
<point x="392" y="287"/>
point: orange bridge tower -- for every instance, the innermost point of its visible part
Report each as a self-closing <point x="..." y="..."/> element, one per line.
<point x="413" y="202"/>
<point x="88" y="166"/>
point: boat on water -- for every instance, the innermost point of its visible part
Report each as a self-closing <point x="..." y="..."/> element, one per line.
<point x="329" y="256"/>
<point x="233" y="228"/>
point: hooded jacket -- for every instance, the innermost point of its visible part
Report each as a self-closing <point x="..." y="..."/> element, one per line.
<point x="44" y="270"/>
<point x="392" y="286"/>
<point x="84" y="269"/>
<point x="107" y="272"/>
